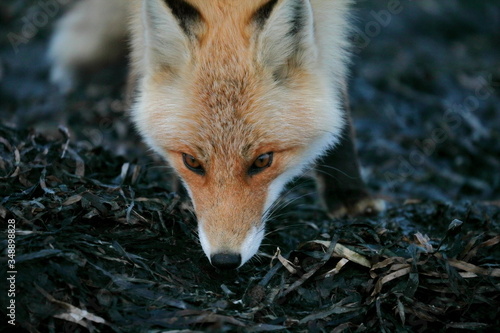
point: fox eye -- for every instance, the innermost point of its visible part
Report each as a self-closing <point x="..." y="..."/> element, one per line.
<point x="193" y="164"/>
<point x="260" y="163"/>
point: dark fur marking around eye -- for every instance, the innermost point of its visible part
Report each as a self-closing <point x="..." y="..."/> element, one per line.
<point x="185" y="13"/>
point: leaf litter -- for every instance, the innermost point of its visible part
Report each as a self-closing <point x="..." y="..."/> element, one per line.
<point x="122" y="257"/>
<point x="103" y="244"/>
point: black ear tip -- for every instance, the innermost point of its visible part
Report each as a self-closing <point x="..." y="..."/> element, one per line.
<point x="262" y="14"/>
<point x="185" y="13"/>
<point x="297" y="20"/>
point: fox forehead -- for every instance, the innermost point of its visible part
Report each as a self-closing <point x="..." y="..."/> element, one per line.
<point x="230" y="107"/>
<point x="231" y="115"/>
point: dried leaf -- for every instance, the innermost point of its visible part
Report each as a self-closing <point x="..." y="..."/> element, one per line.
<point x="338" y="308"/>
<point x="72" y="313"/>
<point x="424" y="241"/>
<point x="494" y="272"/>
<point x="388" y="278"/>
<point x="344" y="252"/>
<point x="286" y="263"/>
<point x="73" y="199"/>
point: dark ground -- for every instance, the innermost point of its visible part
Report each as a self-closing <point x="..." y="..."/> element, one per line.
<point x="99" y="230"/>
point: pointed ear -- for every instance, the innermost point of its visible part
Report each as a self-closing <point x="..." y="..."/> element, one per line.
<point x="169" y="26"/>
<point x="285" y="35"/>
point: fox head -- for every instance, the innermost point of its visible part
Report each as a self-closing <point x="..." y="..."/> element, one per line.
<point x="239" y="97"/>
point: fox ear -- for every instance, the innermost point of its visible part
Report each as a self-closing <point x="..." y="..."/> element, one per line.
<point x="285" y="35"/>
<point x="169" y="26"/>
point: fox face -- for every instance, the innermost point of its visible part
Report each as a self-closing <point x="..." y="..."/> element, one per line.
<point x="239" y="98"/>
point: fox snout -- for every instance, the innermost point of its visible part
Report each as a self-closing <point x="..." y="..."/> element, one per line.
<point x="230" y="219"/>
<point x="227" y="249"/>
<point x="226" y="260"/>
<point x="232" y="188"/>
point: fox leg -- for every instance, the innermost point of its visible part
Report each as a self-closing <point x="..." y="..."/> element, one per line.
<point x="339" y="181"/>
<point x="91" y="33"/>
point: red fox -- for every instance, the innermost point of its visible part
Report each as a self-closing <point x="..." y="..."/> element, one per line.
<point x="238" y="96"/>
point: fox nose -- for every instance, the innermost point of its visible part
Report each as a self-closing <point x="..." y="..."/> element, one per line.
<point x="226" y="260"/>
